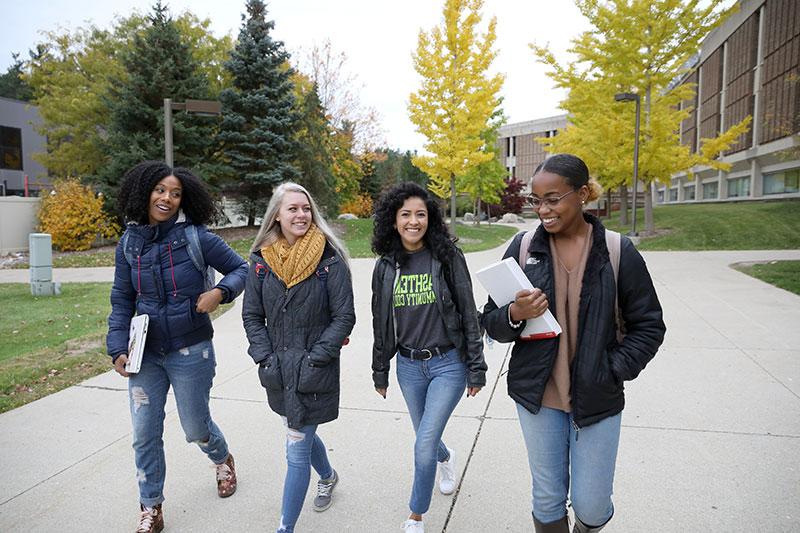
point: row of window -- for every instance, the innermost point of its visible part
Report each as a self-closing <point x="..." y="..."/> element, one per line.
<point x="787" y="181"/>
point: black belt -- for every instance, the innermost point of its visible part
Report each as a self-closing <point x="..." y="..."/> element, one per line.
<point x="423" y="354"/>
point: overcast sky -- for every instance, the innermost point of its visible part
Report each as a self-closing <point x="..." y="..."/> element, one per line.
<point x="378" y="37"/>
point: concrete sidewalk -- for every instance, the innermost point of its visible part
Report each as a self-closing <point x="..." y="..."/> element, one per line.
<point x="710" y="439"/>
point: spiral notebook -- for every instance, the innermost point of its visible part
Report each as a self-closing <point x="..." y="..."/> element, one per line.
<point x="136" y="341"/>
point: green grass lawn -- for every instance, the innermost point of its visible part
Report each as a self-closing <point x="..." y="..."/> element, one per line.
<point x="53" y="342"/>
<point x="355" y="233"/>
<point x="753" y="225"/>
<point x="783" y="274"/>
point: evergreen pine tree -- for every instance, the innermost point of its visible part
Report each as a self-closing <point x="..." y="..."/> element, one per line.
<point x="314" y="160"/>
<point x="11" y="83"/>
<point x="159" y="65"/>
<point x="259" y="115"/>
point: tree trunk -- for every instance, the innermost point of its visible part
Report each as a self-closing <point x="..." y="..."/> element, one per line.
<point x="623" y="205"/>
<point x="478" y="212"/>
<point x="608" y="204"/>
<point x="649" y="221"/>
<point x="453" y="204"/>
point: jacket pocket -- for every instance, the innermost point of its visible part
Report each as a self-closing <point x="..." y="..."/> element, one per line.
<point x="269" y="373"/>
<point x="317" y="379"/>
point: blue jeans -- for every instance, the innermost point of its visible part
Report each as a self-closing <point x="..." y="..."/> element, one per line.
<point x="190" y="371"/>
<point x="304" y="449"/>
<point x="432" y="390"/>
<point x="564" y="460"/>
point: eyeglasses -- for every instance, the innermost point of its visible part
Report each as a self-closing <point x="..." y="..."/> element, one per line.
<point x="550" y="201"/>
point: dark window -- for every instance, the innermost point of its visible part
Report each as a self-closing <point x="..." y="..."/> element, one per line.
<point x="10" y="148"/>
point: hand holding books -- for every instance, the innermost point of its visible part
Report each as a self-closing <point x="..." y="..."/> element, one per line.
<point x="528" y="303"/>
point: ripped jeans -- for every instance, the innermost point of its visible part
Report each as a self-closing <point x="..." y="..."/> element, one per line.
<point x="190" y="371"/>
<point x="304" y="449"/>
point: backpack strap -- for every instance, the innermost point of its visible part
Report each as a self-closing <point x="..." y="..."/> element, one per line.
<point x="524" y="246"/>
<point x="195" y="252"/>
<point x="614" y="244"/>
<point x="125" y="250"/>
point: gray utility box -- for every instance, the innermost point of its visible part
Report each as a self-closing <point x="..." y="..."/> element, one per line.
<point x="41" y="265"/>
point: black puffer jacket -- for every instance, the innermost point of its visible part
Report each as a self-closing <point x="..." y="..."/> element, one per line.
<point x="601" y="364"/>
<point x="296" y="335"/>
<point x="453" y="289"/>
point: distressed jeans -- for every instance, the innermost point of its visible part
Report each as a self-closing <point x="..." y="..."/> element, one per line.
<point x="431" y="389"/>
<point x="304" y="449"/>
<point x="565" y="461"/>
<point x="190" y="371"/>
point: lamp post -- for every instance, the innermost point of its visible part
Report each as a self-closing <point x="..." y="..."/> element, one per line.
<point x="633" y="97"/>
<point x="205" y="108"/>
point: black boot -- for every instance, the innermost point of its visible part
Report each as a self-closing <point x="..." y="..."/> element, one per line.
<point x="580" y="527"/>
<point x="559" y="526"/>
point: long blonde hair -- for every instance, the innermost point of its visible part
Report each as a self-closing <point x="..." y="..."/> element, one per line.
<point x="270" y="230"/>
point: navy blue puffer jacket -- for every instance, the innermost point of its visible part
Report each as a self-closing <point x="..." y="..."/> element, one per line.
<point x="165" y="284"/>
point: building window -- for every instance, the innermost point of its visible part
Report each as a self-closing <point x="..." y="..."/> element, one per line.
<point x="673" y="194"/>
<point x="688" y="192"/>
<point x="711" y="190"/>
<point x="739" y="187"/>
<point x="10" y="148"/>
<point x="782" y="182"/>
<point x="660" y="199"/>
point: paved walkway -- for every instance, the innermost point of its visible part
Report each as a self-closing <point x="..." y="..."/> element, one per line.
<point x="710" y="438"/>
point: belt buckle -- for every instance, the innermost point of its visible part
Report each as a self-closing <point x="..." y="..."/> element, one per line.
<point x="430" y="354"/>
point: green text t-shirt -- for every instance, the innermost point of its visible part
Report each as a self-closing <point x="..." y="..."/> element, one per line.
<point x="419" y="324"/>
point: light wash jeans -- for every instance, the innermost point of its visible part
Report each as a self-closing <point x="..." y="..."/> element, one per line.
<point x="304" y="449"/>
<point x="432" y="390"/>
<point x="565" y="461"/>
<point x="190" y="371"/>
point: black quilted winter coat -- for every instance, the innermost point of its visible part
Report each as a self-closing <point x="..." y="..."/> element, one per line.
<point x="601" y="364"/>
<point x="296" y="336"/>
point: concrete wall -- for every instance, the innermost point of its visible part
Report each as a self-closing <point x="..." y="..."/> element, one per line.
<point x="17" y="220"/>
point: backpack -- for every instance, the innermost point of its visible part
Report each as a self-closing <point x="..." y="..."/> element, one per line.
<point x="613" y="243"/>
<point x="194" y="250"/>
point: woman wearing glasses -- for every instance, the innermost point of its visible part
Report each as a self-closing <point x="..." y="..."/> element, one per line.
<point x="569" y="389"/>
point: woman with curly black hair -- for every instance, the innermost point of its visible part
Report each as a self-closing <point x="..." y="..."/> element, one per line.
<point x="423" y="310"/>
<point x="162" y="263"/>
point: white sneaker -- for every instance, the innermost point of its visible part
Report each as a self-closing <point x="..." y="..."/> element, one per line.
<point x="413" y="526"/>
<point x="447" y="474"/>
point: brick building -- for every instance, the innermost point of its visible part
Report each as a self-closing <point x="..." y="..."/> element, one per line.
<point x="748" y="66"/>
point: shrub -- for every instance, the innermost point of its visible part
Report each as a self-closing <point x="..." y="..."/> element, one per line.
<point x="360" y="206"/>
<point x="511" y="201"/>
<point x="74" y="216"/>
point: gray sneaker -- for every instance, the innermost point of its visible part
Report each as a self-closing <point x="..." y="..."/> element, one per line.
<point x="324" y="491"/>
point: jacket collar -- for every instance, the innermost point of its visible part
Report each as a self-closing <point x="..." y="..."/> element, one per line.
<point x="541" y="240"/>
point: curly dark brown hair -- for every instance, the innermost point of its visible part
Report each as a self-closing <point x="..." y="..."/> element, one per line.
<point x="137" y="184"/>
<point x="386" y="240"/>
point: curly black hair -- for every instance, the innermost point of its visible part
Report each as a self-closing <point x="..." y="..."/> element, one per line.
<point x="133" y="201"/>
<point x="386" y="240"/>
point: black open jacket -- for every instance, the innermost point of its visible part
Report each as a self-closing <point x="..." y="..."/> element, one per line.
<point x="453" y="288"/>
<point x="601" y="364"/>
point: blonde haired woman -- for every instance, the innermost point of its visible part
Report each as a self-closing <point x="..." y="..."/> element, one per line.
<point x="297" y="313"/>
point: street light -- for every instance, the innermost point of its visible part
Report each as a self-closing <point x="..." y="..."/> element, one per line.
<point x="205" y="108"/>
<point x="633" y="97"/>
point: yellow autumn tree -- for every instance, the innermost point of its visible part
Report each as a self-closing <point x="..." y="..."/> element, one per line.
<point x="457" y="96"/>
<point x="73" y="215"/>
<point x="642" y="47"/>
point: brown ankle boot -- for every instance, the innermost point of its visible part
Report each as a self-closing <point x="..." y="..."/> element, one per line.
<point x="150" y="521"/>
<point x="226" y="478"/>
<point x="559" y="526"/>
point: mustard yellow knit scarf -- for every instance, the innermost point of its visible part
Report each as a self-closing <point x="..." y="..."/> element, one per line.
<point x="292" y="264"/>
